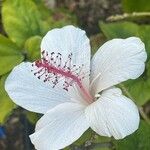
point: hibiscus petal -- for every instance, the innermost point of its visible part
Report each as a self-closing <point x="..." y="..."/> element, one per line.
<point x="116" y="61"/>
<point x="60" y="127"/>
<point x="67" y="40"/>
<point x="31" y="93"/>
<point x="113" y="114"/>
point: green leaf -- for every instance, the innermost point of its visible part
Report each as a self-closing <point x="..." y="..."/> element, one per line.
<point x="140" y="140"/>
<point x="32" y="46"/>
<point x="21" y="20"/>
<point x="42" y="7"/>
<point x="139" y="88"/>
<point x="119" y="29"/>
<point x="6" y="104"/>
<point x="136" y="5"/>
<point x="10" y="55"/>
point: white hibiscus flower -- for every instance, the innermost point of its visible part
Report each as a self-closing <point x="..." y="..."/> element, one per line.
<point x="75" y="92"/>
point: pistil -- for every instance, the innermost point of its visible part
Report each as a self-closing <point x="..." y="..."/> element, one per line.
<point x="53" y="69"/>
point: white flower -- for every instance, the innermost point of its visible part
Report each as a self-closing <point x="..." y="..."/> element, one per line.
<point x="59" y="86"/>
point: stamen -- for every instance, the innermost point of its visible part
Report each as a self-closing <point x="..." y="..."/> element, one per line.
<point x="53" y="68"/>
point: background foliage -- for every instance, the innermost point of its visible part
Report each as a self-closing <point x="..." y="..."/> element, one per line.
<point x="25" y="22"/>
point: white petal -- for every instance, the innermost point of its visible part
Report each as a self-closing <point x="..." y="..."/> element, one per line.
<point x="31" y="93"/>
<point x="60" y="127"/>
<point x="113" y="114"/>
<point x="67" y="40"/>
<point x="116" y="61"/>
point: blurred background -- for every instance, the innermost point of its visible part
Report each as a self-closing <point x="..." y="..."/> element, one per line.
<point x="23" y="23"/>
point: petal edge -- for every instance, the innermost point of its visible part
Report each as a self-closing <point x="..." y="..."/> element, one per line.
<point x="113" y="114"/>
<point x="60" y="127"/>
<point x="116" y="61"/>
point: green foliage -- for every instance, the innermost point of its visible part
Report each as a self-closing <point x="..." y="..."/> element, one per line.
<point x="136" y="5"/>
<point x="10" y="55"/>
<point x="32" y="46"/>
<point x="21" y="20"/>
<point x="140" y="140"/>
<point x="119" y="29"/>
<point x="140" y="87"/>
<point x="6" y="104"/>
<point x="32" y="117"/>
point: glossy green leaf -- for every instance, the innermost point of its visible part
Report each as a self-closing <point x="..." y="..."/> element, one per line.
<point x="6" y="104"/>
<point x="32" y="46"/>
<point x="10" y="55"/>
<point x="139" y="88"/>
<point x="21" y="20"/>
<point x="140" y="140"/>
<point x="136" y="5"/>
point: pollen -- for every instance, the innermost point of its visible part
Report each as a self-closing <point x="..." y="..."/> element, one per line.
<point x="54" y="68"/>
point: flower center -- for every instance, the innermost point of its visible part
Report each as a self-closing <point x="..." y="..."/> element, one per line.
<point x="53" y="68"/>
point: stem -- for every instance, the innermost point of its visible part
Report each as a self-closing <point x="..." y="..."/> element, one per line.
<point x="144" y="116"/>
<point x="131" y="16"/>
